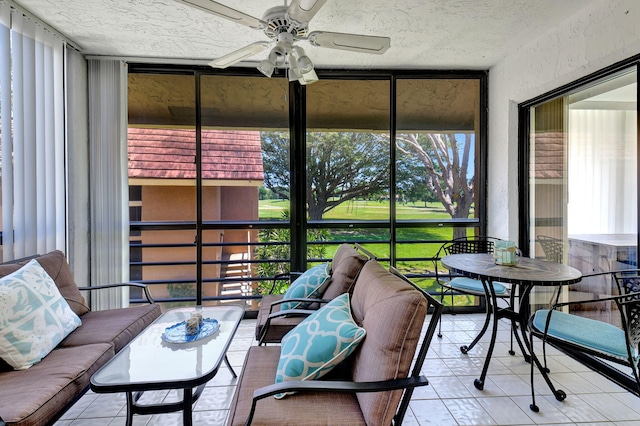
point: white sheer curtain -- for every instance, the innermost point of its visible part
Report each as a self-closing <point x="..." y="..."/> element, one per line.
<point x="32" y="137"/>
<point x="108" y="179"/>
<point x="602" y="172"/>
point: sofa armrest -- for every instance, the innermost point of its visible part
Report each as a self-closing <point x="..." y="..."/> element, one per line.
<point x="308" y="300"/>
<point x="279" y="314"/>
<point x="139" y="285"/>
<point x="333" y="386"/>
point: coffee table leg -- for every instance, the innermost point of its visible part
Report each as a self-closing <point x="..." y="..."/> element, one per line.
<point x="226" y="361"/>
<point x="187" y="400"/>
<point x="129" y="409"/>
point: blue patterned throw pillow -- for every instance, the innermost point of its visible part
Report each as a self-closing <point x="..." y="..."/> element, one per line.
<point x="34" y="317"/>
<point x="310" y="284"/>
<point x="319" y="343"/>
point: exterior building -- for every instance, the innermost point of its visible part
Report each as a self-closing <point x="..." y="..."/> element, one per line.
<point x="162" y="177"/>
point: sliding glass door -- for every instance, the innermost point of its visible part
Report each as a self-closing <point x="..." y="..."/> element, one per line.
<point x="583" y="178"/>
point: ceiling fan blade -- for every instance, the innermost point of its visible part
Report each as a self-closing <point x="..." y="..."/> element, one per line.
<point x="224" y="12"/>
<point x="239" y="55"/>
<point x="354" y="42"/>
<point x="303" y="10"/>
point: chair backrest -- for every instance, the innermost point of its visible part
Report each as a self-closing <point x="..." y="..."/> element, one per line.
<point x="345" y="267"/>
<point x="552" y="248"/>
<point x="392" y="310"/>
<point x="470" y="245"/>
<point x="628" y="283"/>
<point x="478" y="244"/>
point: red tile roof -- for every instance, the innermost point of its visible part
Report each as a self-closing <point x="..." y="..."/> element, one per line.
<point x="170" y="153"/>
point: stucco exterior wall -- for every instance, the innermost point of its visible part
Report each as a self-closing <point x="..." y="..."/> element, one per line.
<point x="601" y="35"/>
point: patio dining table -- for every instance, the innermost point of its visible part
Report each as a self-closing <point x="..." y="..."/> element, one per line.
<point x="524" y="276"/>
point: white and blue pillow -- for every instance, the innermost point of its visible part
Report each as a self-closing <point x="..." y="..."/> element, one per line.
<point x="311" y="284"/>
<point x="34" y="317"/>
<point x="319" y="343"/>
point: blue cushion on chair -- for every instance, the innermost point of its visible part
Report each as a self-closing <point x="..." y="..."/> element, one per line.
<point x="310" y="284"/>
<point x="475" y="286"/>
<point x="593" y="334"/>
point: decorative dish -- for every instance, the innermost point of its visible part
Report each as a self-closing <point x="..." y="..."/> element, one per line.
<point x="177" y="333"/>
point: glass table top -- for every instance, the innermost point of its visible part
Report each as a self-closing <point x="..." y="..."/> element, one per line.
<point x="149" y="361"/>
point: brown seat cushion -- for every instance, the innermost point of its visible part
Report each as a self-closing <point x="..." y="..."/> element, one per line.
<point x="392" y="312"/>
<point x="300" y="409"/>
<point x="33" y="397"/>
<point x="55" y="263"/>
<point x="345" y="268"/>
<point x="278" y="327"/>
<point x="115" y="326"/>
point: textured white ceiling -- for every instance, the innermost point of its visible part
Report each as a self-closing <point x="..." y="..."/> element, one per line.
<point x="425" y="34"/>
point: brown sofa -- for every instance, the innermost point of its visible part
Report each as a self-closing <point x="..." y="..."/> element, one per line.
<point x="372" y="386"/>
<point x="272" y="323"/>
<point x="42" y="393"/>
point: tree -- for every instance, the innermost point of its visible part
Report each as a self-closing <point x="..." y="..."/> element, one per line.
<point x="275" y="155"/>
<point x="341" y="166"/>
<point x="446" y="163"/>
<point x="271" y="252"/>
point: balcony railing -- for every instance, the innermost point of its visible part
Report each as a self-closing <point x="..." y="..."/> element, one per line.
<point x="164" y="256"/>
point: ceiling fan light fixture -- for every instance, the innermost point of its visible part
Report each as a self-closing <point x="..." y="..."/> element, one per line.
<point x="294" y="72"/>
<point x="308" y="78"/>
<point x="266" y="67"/>
<point x="305" y="64"/>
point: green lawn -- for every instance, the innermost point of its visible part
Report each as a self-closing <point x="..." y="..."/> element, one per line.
<point x="379" y="210"/>
<point x="361" y="210"/>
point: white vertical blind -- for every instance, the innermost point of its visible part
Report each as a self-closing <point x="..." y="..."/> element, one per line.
<point x="108" y="179"/>
<point x="33" y="145"/>
<point x="602" y="172"/>
<point x="6" y="133"/>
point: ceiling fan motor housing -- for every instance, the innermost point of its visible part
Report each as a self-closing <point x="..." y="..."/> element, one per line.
<point x="277" y="22"/>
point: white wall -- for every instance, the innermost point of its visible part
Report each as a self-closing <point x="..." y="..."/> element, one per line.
<point x="605" y="32"/>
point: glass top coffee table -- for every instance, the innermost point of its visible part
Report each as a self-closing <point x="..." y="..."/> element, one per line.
<point x="150" y="363"/>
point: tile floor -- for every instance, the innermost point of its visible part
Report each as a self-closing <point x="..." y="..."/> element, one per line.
<point x="450" y="399"/>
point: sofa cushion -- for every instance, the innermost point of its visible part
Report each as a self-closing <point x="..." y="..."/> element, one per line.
<point x="34" y="317"/>
<point x="319" y="343"/>
<point x="259" y="370"/>
<point x="35" y="396"/>
<point x="345" y="268"/>
<point x="311" y="284"/>
<point x="55" y="263"/>
<point x="392" y="336"/>
<point x="114" y="326"/>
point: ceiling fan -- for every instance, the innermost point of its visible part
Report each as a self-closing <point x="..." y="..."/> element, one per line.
<point x="284" y="26"/>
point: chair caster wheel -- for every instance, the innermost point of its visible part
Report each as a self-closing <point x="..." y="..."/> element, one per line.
<point x="546" y="370"/>
<point x="560" y="395"/>
<point x="464" y="349"/>
<point x="527" y="358"/>
<point x="479" y="384"/>
<point x="439" y="335"/>
<point x="534" y="408"/>
<point x="512" y="353"/>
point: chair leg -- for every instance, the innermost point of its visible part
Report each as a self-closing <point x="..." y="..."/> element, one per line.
<point x="442" y="291"/>
<point x="533" y="407"/>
